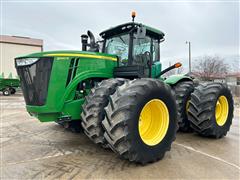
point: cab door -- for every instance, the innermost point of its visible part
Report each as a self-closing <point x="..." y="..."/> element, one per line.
<point x="142" y="53"/>
<point x="156" y="66"/>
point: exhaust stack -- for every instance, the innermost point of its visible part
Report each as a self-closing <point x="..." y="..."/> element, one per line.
<point x="84" y="40"/>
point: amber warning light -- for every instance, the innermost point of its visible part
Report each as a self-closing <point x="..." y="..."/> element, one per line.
<point x="133" y="15"/>
<point x="177" y="65"/>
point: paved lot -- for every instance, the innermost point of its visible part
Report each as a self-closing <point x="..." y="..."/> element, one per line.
<point x="31" y="149"/>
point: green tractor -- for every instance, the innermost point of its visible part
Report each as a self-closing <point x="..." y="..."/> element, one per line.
<point x="113" y="89"/>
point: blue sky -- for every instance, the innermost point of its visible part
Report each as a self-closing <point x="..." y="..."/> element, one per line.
<point x="212" y="27"/>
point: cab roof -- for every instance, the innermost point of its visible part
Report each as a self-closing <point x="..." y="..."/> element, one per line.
<point x="127" y="26"/>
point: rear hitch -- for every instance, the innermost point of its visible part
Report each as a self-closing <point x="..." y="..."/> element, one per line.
<point x="64" y="119"/>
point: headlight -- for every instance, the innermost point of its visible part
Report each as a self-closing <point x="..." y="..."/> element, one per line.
<point x="26" y="61"/>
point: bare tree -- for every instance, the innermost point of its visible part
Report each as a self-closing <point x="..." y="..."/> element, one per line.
<point x="207" y="67"/>
<point x="235" y="65"/>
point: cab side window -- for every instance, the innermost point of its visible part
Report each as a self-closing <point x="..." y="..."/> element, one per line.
<point x="155" y="50"/>
<point x="141" y="51"/>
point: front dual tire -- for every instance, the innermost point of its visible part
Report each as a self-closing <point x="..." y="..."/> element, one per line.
<point x="137" y="119"/>
<point x="141" y="121"/>
<point x="93" y="109"/>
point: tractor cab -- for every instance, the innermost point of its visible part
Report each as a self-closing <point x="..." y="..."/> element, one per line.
<point x="137" y="47"/>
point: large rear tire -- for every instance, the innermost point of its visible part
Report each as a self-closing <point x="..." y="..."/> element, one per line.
<point x="141" y="120"/>
<point x="183" y="92"/>
<point x="211" y="110"/>
<point x="93" y="109"/>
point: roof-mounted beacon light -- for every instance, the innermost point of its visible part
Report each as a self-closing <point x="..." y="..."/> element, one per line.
<point x="133" y="15"/>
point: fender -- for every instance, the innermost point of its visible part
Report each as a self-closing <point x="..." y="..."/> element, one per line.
<point x="174" y="79"/>
<point x="80" y="77"/>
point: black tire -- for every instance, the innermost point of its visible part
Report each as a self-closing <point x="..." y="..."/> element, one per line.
<point x="72" y="126"/>
<point x="122" y="118"/>
<point x="183" y="91"/>
<point x="6" y="92"/>
<point x="93" y="109"/>
<point x="12" y="90"/>
<point x="201" y="112"/>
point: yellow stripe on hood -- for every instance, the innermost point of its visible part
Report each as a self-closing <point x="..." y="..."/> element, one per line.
<point x="83" y="55"/>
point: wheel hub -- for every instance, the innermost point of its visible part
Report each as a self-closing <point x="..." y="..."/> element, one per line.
<point x="221" y="110"/>
<point x="153" y="122"/>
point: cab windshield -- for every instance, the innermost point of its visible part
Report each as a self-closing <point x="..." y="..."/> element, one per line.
<point x="118" y="46"/>
<point x="142" y="52"/>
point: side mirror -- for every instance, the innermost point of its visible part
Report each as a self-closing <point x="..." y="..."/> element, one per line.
<point x="141" y="32"/>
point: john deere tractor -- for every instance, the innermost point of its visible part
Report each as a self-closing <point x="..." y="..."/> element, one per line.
<point x="113" y="89"/>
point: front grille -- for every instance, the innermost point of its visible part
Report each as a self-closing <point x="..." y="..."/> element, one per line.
<point x="35" y="79"/>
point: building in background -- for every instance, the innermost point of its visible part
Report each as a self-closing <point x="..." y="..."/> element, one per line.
<point x="13" y="46"/>
<point x="233" y="78"/>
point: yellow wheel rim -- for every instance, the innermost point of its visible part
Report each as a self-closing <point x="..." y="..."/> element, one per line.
<point x="221" y="110"/>
<point x="153" y="122"/>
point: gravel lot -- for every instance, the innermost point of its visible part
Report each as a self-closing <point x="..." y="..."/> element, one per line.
<point x="30" y="149"/>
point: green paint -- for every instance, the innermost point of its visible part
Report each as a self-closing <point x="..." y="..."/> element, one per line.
<point x="176" y="78"/>
<point x="156" y="69"/>
<point x="73" y="108"/>
<point x="65" y="100"/>
<point x="45" y="53"/>
<point x="60" y="99"/>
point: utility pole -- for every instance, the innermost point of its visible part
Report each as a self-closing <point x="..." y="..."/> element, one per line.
<point x="189" y="56"/>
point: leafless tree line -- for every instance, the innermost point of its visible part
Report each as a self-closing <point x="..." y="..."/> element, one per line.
<point x="209" y="67"/>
